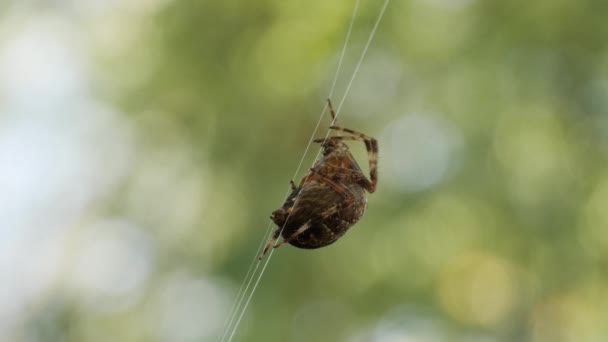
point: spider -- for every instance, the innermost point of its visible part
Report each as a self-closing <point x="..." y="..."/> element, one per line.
<point x="330" y="198"/>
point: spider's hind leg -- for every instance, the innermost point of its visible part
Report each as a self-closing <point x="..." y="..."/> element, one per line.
<point x="295" y="234"/>
<point x="271" y="242"/>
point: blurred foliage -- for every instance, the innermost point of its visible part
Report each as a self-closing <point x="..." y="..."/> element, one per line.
<point x="490" y="223"/>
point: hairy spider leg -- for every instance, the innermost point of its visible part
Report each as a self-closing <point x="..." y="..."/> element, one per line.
<point x="322" y="140"/>
<point x="371" y="145"/>
<point x="273" y="239"/>
<point x="292" y="184"/>
<point x="299" y="231"/>
<point x="331" y="110"/>
<point x="334" y="120"/>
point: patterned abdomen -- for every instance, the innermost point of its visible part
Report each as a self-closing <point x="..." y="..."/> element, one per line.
<point x="328" y="214"/>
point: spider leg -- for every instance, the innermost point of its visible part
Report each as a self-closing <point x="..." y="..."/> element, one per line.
<point x="371" y="145"/>
<point x="331" y="111"/>
<point x="271" y="242"/>
<point x="299" y="231"/>
<point x="292" y="184"/>
<point x="321" y="140"/>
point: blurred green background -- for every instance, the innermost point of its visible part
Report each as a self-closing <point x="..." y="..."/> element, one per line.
<point x="144" y="143"/>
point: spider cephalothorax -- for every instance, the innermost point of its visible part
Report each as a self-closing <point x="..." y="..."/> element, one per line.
<point x="330" y="198"/>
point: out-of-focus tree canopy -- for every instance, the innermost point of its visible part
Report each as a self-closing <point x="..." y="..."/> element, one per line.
<point x="155" y="156"/>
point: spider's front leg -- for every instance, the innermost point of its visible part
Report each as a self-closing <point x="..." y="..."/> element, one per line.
<point x="371" y="145"/>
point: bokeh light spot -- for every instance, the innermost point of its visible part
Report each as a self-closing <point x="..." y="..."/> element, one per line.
<point x="191" y="308"/>
<point x="113" y="262"/>
<point x="419" y="151"/>
<point x="477" y="288"/>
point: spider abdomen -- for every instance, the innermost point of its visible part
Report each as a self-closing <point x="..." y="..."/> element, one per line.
<point x="327" y="214"/>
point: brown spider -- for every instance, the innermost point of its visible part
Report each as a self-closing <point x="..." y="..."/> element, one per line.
<point x="330" y="198"/>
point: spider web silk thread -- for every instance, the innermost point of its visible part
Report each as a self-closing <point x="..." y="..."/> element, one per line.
<point x="242" y="292"/>
<point x="243" y="289"/>
<point x="356" y="70"/>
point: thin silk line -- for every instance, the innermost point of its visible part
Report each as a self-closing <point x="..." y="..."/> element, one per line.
<point x="237" y="304"/>
<point x="331" y="91"/>
<point x="243" y="289"/>
<point x="373" y="32"/>
<point x="357" y="67"/>
<point x="350" y="29"/>
<point x="369" y="41"/>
